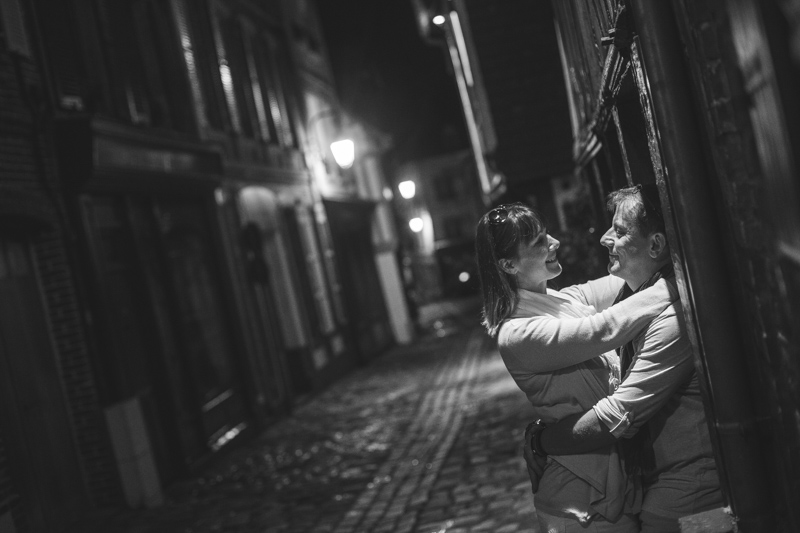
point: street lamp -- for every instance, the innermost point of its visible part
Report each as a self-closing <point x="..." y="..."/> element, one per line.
<point x="407" y="189"/>
<point x="344" y="152"/>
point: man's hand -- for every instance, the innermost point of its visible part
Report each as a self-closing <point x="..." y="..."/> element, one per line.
<point x="534" y="463"/>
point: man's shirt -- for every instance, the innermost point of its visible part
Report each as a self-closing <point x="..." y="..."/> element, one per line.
<point x="661" y="388"/>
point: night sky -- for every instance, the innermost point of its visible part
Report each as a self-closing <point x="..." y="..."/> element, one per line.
<point x="388" y="77"/>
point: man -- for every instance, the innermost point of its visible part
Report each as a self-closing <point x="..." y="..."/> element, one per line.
<point x="657" y="410"/>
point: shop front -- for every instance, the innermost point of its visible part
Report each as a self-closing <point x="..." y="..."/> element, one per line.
<point x="168" y="345"/>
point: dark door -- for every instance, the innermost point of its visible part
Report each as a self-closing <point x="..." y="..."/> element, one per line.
<point x="272" y="358"/>
<point x="199" y="316"/>
<point x="163" y="325"/>
<point x="351" y="226"/>
<point x="35" y="423"/>
<point x="136" y="336"/>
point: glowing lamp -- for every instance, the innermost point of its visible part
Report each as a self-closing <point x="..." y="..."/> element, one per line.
<point x="344" y="152"/>
<point x="407" y="189"/>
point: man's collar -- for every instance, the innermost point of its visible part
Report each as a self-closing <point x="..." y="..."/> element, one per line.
<point x="666" y="271"/>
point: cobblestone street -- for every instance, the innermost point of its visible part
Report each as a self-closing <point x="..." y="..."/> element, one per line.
<point x="424" y="439"/>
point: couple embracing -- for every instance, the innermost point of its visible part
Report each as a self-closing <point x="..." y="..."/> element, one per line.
<point x="620" y="443"/>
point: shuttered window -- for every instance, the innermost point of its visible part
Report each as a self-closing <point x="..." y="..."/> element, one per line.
<point x="145" y="63"/>
<point x="234" y="71"/>
<point x="265" y="127"/>
<point x="237" y="59"/>
<point x="179" y="12"/>
<point x="126" y="70"/>
<point x="196" y="27"/>
<point x="14" y="27"/>
<point x="281" y="90"/>
<point x="225" y="73"/>
<point x="57" y="21"/>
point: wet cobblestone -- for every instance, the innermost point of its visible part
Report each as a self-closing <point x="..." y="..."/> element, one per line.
<point x="423" y="440"/>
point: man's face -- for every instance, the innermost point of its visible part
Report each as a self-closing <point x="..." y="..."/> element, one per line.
<point x="628" y="254"/>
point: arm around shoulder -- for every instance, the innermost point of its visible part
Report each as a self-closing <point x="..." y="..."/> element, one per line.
<point x="599" y="293"/>
<point x="545" y="343"/>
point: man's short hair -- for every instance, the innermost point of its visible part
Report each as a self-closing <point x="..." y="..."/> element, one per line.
<point x="643" y="203"/>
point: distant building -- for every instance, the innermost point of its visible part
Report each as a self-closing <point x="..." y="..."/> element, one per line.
<point x="507" y="67"/>
<point x="446" y="205"/>
<point x="506" y="64"/>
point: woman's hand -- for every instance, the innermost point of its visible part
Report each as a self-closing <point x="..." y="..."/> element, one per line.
<point x="534" y="462"/>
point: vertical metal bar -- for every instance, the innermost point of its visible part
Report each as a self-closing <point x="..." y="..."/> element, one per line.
<point x="469" y="116"/>
<point x="706" y="288"/>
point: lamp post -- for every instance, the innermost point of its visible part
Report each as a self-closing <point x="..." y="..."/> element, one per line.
<point x="344" y="153"/>
<point x="343" y="149"/>
<point x="407" y="189"/>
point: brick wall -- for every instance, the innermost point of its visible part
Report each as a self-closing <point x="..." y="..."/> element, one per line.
<point x="76" y="369"/>
<point x="766" y="286"/>
<point x="27" y="163"/>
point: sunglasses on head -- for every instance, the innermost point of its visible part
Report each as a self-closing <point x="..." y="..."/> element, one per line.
<point x="499" y="214"/>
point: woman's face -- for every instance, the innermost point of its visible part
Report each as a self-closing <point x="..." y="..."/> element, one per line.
<point x="536" y="262"/>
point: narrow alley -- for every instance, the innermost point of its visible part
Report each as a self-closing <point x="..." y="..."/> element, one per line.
<point x="425" y="439"/>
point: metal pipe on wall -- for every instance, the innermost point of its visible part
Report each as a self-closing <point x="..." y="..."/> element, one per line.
<point x="706" y="289"/>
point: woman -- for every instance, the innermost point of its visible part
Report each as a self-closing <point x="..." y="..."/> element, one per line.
<point x="557" y="347"/>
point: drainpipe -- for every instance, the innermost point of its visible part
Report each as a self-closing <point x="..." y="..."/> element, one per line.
<point x="705" y="285"/>
<point x="464" y="80"/>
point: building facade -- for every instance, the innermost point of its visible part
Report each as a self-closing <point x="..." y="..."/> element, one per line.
<point x="699" y="97"/>
<point x="47" y="387"/>
<point x="178" y="248"/>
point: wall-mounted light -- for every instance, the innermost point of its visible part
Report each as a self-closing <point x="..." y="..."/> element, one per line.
<point x="407" y="189"/>
<point x="438" y="20"/>
<point x="416" y="224"/>
<point x="344" y="152"/>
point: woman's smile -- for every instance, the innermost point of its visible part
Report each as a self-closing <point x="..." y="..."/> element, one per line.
<point x="536" y="262"/>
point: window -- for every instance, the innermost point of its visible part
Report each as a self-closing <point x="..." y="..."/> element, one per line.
<point x="13" y="25"/>
<point x="265" y="127"/>
<point x="314" y="265"/>
<point x="273" y="119"/>
<point x="234" y="71"/>
<point x="200" y="56"/>
<point x="144" y="63"/>
<point x="280" y="105"/>
<point x="124" y="61"/>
